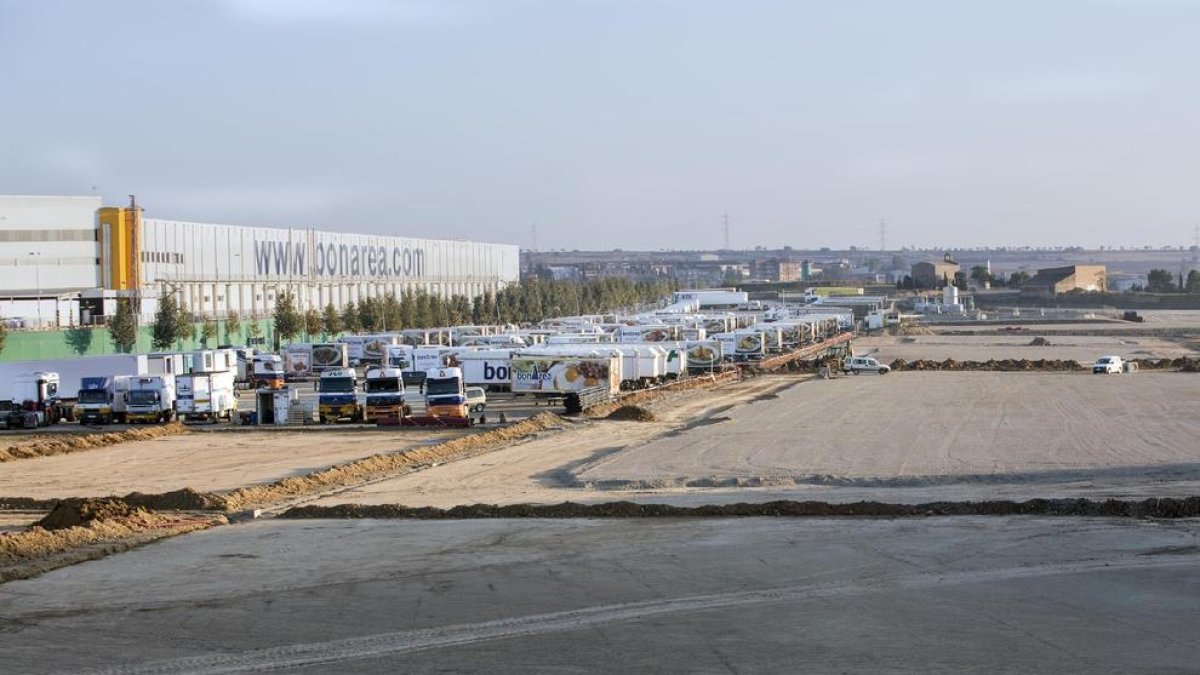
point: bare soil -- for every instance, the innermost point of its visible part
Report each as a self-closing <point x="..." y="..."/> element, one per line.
<point x="208" y="462"/>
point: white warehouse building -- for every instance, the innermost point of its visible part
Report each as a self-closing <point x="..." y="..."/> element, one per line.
<point x="69" y="258"/>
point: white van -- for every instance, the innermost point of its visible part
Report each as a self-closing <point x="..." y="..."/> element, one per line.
<point x="864" y="364"/>
<point x="1108" y="364"/>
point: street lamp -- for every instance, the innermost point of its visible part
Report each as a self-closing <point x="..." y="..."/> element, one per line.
<point x="37" y="275"/>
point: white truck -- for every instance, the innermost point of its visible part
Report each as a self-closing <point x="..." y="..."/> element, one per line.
<point x="35" y="400"/>
<point x="385" y="394"/>
<point x="146" y="398"/>
<point x="207" y="397"/>
<point x="267" y="372"/>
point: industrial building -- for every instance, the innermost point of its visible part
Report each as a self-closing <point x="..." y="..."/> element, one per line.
<point x="66" y="261"/>
<point x="935" y="274"/>
<point x="1052" y="281"/>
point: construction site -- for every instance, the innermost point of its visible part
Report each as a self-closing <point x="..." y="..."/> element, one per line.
<point x="981" y="480"/>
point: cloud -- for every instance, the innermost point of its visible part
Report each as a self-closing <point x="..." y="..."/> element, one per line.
<point x="386" y="12"/>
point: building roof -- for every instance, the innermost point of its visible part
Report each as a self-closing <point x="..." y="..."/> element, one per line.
<point x="1051" y="276"/>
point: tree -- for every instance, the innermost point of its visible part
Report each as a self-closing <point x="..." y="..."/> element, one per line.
<point x="233" y="326"/>
<point x="1018" y="278"/>
<point x="170" y="322"/>
<point x="350" y="321"/>
<point x="370" y="314"/>
<point x="1160" y="281"/>
<point x="981" y="275"/>
<point x="208" y="330"/>
<point x="3" y="335"/>
<point x="288" y="321"/>
<point x="312" y="322"/>
<point x="331" y="321"/>
<point x="1192" y="285"/>
<point x="255" y="331"/>
<point x="122" y="327"/>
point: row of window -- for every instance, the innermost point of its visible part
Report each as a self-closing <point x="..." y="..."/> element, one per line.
<point x="162" y="257"/>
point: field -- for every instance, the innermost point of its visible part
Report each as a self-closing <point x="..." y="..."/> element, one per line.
<point x="1082" y="348"/>
<point x="206" y="461"/>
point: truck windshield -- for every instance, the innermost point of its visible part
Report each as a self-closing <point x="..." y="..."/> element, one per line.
<point x="383" y="385"/>
<point x="435" y="386"/>
<point x="337" y="385"/>
<point x="93" y="396"/>
<point x="143" y="397"/>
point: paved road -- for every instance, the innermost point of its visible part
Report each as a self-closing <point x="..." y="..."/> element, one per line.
<point x="945" y="595"/>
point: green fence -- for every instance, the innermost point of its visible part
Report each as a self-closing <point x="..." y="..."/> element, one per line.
<point x="65" y="343"/>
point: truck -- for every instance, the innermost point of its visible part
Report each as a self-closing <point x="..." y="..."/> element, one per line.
<point x="147" y="398"/>
<point x="817" y="292"/>
<point x="266" y="371"/>
<point x="385" y="394"/>
<point x="207" y="397"/>
<point x="487" y="368"/>
<point x="446" y="396"/>
<point x="94" y="401"/>
<point x="35" y="400"/>
<point x="534" y="373"/>
<point x="339" y="396"/>
<point x="307" y="359"/>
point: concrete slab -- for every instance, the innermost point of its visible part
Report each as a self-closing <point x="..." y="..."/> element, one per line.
<point x="748" y="595"/>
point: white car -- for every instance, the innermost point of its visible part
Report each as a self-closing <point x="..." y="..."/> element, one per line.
<point x="476" y="399"/>
<point x="1108" y="364"/>
<point x="864" y="364"/>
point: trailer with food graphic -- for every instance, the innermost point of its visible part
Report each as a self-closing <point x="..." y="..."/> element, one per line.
<point x="302" y="360"/>
<point x="703" y="356"/>
<point x="558" y="374"/>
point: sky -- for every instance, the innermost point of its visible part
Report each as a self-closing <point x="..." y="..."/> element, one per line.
<point x="633" y="124"/>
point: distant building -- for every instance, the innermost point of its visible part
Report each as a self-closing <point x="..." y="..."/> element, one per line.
<point x="935" y="274"/>
<point x="1052" y="281"/>
<point x="777" y="269"/>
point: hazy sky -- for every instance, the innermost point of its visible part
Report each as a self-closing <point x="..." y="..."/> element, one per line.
<point x="619" y="123"/>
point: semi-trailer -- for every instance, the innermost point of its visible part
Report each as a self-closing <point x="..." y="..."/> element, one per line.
<point x="35" y="400"/>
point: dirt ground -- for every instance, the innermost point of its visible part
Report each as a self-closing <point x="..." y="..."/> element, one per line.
<point x="1084" y="349"/>
<point x="541" y="470"/>
<point x="929" y="428"/>
<point x="205" y="461"/>
<point x="1010" y="436"/>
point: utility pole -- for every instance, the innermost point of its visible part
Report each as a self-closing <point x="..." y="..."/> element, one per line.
<point x="725" y="221"/>
<point x="882" y="236"/>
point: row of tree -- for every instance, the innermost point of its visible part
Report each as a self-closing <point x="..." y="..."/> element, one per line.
<point x="529" y="302"/>
<point x="1162" y="281"/>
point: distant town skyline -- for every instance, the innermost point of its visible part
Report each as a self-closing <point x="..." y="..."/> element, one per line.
<point x="606" y="124"/>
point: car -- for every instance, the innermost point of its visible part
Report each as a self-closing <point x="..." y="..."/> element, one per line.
<point x="476" y="399"/>
<point x="864" y="364"/>
<point x="1108" y="364"/>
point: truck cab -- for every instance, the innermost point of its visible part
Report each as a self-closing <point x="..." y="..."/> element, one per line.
<point x="35" y="399"/>
<point x="94" y="402"/>
<point x="385" y="394"/>
<point x="445" y="393"/>
<point x="150" y="398"/>
<point x="338" y="396"/>
<point x="267" y="372"/>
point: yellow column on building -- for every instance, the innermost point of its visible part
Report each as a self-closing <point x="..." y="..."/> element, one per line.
<point x="120" y="248"/>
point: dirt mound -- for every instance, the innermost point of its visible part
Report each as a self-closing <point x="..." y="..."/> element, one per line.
<point x="45" y="445"/>
<point x="649" y="395"/>
<point x="1039" y="342"/>
<point x="391" y="464"/>
<point x="1005" y="365"/>
<point x="909" y="329"/>
<point x="1149" y="508"/>
<point x="83" y="511"/>
<point x="631" y="413"/>
<point x="186" y="499"/>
